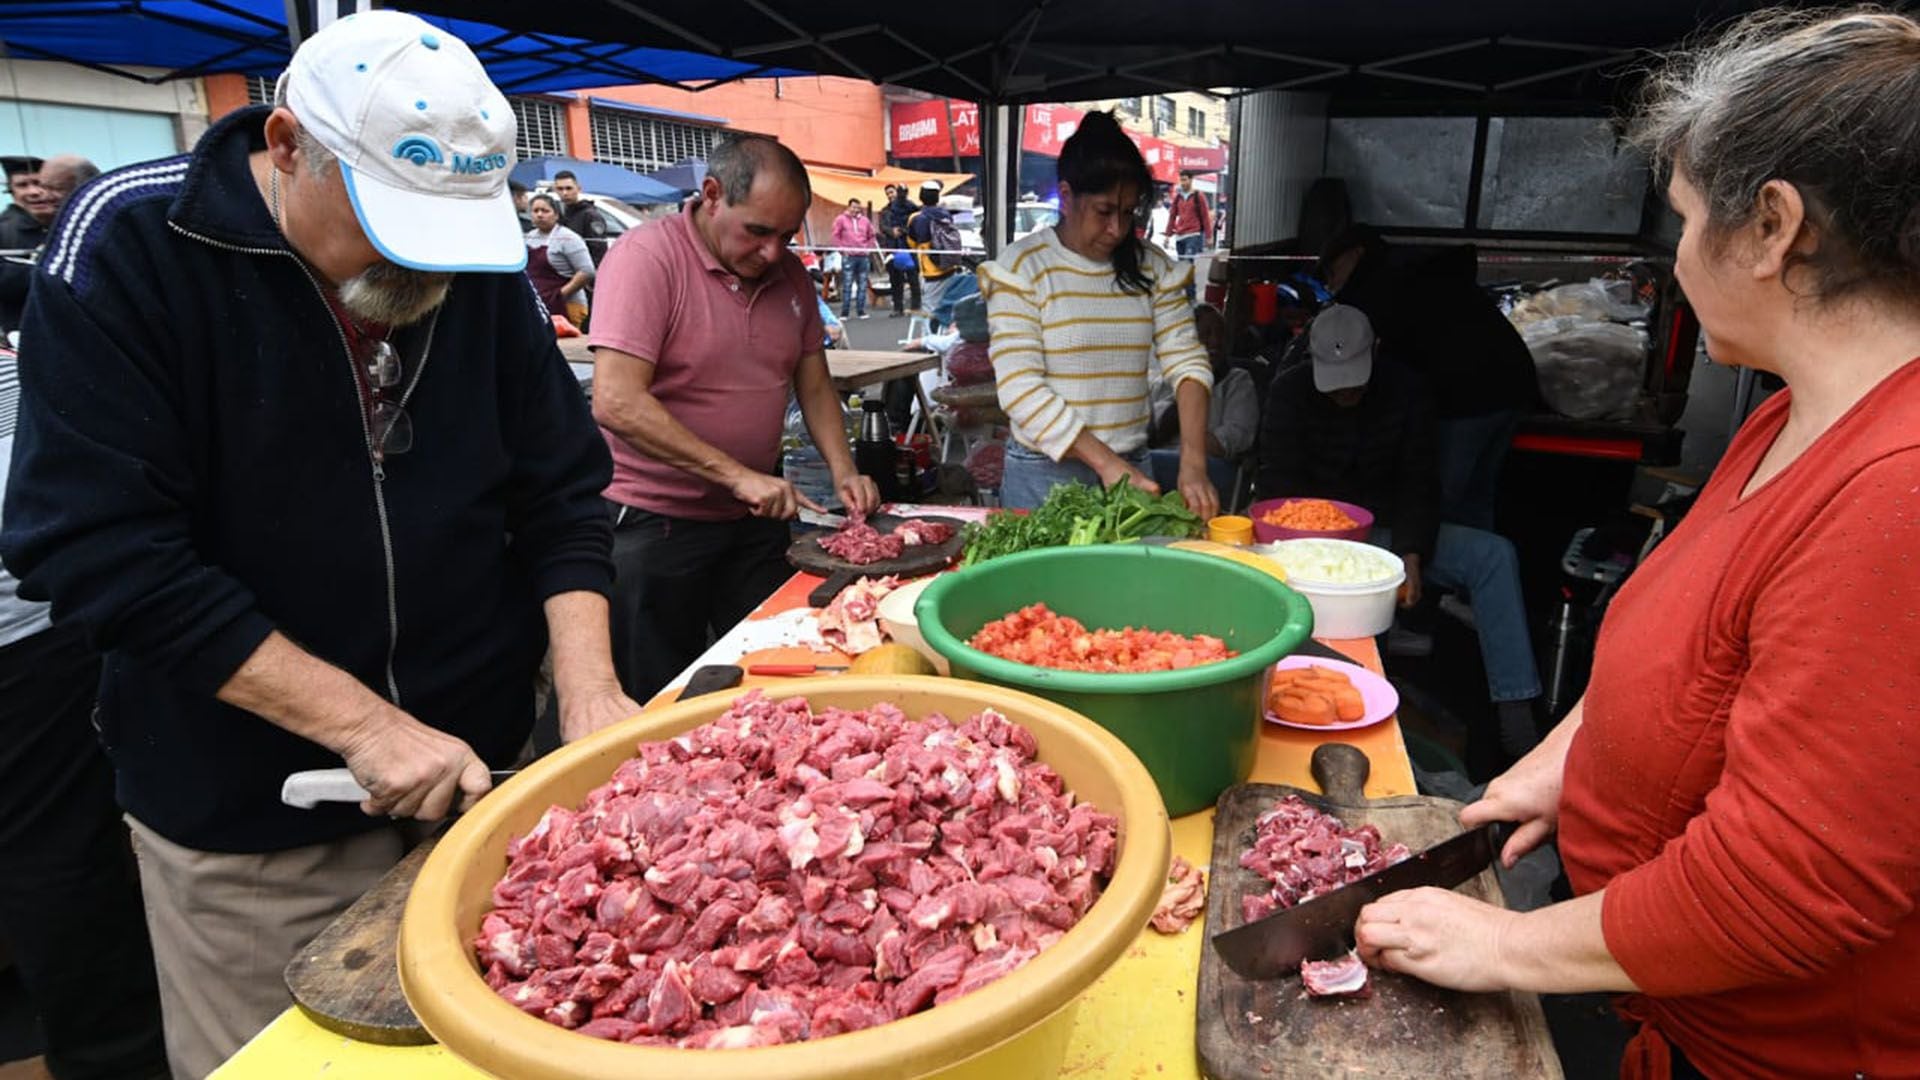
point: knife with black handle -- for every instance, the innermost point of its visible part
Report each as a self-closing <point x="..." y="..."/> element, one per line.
<point x="1322" y="927"/>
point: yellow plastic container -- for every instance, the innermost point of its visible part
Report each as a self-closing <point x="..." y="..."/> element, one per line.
<point x="1017" y="1027"/>
<point x="1230" y="529"/>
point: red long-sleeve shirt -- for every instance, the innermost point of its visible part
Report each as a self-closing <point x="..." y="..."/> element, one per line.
<point x="1746" y="786"/>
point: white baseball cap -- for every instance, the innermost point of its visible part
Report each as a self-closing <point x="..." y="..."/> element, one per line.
<point x="1341" y="341"/>
<point x="425" y="140"/>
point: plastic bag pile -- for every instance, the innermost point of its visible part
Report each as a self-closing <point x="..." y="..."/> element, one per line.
<point x="1587" y="358"/>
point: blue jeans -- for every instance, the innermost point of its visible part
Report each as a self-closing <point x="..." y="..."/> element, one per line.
<point x="1030" y="475"/>
<point x="1484" y="566"/>
<point x="1188" y="248"/>
<point x="1471" y="450"/>
<point x="853" y="283"/>
<point x="1166" y="473"/>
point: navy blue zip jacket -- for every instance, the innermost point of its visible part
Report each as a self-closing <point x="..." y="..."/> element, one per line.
<point x="192" y="470"/>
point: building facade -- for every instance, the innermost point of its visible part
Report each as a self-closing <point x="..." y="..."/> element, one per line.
<point x="56" y="108"/>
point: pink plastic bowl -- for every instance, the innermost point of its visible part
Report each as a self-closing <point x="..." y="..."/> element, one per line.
<point x="1267" y="534"/>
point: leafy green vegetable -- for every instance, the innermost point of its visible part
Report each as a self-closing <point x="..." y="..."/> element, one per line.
<point x="1075" y="515"/>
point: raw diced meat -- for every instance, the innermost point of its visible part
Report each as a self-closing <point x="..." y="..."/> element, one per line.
<point x="713" y="984"/>
<point x="670" y="1007"/>
<point x="851" y="621"/>
<point x="781" y="874"/>
<point x="920" y="531"/>
<point x="860" y="543"/>
<point x="611" y="1027"/>
<point x="1344" y="977"/>
<point x="1302" y="852"/>
<point x="940" y="971"/>
<point x="984" y="969"/>
<point x="1182" y="898"/>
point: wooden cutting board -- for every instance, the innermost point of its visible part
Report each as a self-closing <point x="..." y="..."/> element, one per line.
<point x="805" y="553"/>
<point x="347" y="979"/>
<point x="1408" y="1030"/>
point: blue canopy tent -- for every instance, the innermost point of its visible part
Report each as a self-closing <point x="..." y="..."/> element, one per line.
<point x="685" y="175"/>
<point x="189" y="38"/>
<point x="600" y="178"/>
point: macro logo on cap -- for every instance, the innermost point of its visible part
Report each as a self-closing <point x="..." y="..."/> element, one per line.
<point x="474" y="164"/>
<point x="419" y="150"/>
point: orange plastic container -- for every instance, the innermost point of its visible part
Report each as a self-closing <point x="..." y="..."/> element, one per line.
<point x="1231" y="529"/>
<point x="1016" y="1027"/>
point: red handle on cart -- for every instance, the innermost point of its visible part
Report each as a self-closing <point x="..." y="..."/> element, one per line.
<point x="792" y="669"/>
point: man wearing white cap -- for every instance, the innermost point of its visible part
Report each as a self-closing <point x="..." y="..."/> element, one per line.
<point x="1352" y="426"/>
<point x="935" y="241"/>
<point x="298" y="452"/>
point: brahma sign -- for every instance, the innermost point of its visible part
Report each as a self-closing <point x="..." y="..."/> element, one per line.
<point x="920" y="131"/>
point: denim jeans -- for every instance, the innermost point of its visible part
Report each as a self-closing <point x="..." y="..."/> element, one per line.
<point x="1188" y="248"/>
<point x="853" y="283"/>
<point x="1471" y="450"/>
<point x="1484" y="566"/>
<point x="904" y="279"/>
<point x="1030" y="475"/>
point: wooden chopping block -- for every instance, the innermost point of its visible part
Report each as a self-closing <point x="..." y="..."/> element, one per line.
<point x="1407" y="1029"/>
<point x="347" y="979"/>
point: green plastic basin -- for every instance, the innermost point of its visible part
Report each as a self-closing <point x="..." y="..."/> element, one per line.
<point x="1194" y="729"/>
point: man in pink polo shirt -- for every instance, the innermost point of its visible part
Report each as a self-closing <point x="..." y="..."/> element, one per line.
<point x="704" y="325"/>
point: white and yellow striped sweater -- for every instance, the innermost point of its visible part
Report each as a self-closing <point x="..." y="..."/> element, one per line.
<point x="1072" y="352"/>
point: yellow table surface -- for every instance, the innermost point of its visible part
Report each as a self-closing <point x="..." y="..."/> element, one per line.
<point x="1136" y="1022"/>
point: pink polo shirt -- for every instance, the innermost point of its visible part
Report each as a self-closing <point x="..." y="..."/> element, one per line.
<point x="723" y="350"/>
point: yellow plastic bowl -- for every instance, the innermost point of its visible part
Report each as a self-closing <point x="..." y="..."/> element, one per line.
<point x="1018" y="1026"/>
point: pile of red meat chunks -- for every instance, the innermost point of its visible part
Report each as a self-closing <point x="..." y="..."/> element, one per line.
<point x="780" y="874"/>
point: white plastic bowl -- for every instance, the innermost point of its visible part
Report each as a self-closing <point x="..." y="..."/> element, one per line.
<point x="1344" y="609"/>
<point x="898" y="620"/>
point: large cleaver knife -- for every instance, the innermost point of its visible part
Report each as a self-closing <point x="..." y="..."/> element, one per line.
<point x="1322" y="927"/>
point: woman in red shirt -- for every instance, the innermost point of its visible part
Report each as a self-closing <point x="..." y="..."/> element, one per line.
<point x="1738" y="796"/>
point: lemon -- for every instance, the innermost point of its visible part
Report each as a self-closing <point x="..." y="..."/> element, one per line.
<point x="891" y="660"/>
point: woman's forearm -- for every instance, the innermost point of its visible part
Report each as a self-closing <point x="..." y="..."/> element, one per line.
<point x="1190" y="399"/>
<point x="1561" y="949"/>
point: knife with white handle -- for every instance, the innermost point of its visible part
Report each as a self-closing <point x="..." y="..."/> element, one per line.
<point x="309" y="789"/>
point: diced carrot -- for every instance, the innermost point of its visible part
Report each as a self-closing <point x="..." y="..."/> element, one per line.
<point x="1309" y="515"/>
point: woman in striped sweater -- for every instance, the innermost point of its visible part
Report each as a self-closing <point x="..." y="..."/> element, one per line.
<point x="1079" y="314"/>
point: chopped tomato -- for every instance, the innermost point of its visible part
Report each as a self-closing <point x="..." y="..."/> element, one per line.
<point x="1035" y="635"/>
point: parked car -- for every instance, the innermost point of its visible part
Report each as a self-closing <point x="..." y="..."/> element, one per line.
<point x="1032" y="215"/>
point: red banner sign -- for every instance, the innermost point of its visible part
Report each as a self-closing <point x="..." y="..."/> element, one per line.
<point x="1201" y="159"/>
<point x="1162" y="157"/>
<point x="1048" y="126"/>
<point x="920" y="129"/>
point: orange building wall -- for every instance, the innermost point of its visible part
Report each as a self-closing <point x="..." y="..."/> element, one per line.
<point x="827" y="120"/>
<point x="225" y="93"/>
